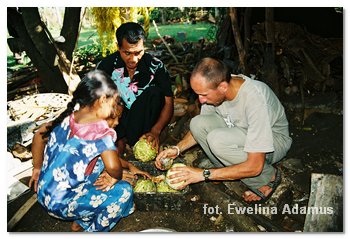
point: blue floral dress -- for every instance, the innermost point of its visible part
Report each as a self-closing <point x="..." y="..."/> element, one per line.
<point x="66" y="192"/>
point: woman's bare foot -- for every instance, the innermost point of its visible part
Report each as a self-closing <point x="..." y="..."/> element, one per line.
<point x="76" y="227"/>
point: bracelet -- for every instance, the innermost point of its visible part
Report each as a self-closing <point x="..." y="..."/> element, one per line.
<point x="178" y="149"/>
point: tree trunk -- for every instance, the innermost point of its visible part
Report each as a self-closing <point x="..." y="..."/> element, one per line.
<point x="238" y="39"/>
<point x="163" y="15"/>
<point x="225" y="35"/>
<point x="39" y="47"/>
<point x="40" y="51"/>
<point x="216" y="13"/>
<point x="269" y="26"/>
<point x="70" y="30"/>
<point x="247" y="30"/>
<point x="270" y="69"/>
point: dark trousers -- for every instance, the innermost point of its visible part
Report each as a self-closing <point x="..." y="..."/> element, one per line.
<point x="142" y="115"/>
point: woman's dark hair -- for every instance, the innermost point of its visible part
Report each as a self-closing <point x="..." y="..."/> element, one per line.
<point x="131" y="31"/>
<point x="214" y="70"/>
<point x="95" y="84"/>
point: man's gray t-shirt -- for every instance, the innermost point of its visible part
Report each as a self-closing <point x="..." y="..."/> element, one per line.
<point x="258" y="111"/>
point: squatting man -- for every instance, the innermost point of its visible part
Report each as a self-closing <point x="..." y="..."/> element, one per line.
<point x="242" y="128"/>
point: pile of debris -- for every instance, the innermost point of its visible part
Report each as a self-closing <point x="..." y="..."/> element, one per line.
<point x="22" y="81"/>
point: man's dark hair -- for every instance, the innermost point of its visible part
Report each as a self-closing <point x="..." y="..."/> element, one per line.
<point x="214" y="70"/>
<point x="131" y="31"/>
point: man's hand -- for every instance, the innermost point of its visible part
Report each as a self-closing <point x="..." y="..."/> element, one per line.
<point x="167" y="153"/>
<point x="187" y="174"/>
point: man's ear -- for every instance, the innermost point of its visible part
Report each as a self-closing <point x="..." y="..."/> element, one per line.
<point x="222" y="87"/>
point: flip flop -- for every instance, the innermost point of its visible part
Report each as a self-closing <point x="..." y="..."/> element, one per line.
<point x="274" y="184"/>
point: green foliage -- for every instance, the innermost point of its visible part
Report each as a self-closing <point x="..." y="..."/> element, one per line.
<point x="155" y="15"/>
<point x="174" y="13"/>
<point x="108" y="19"/>
<point x="89" y="53"/>
<point x="211" y="33"/>
<point x="193" y="32"/>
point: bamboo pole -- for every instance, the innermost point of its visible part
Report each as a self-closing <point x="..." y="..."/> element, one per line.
<point x="164" y="42"/>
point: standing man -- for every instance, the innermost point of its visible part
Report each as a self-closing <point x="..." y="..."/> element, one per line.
<point x="242" y="128"/>
<point x="144" y="85"/>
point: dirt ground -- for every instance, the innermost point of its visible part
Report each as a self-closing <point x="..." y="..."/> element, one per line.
<point x="317" y="148"/>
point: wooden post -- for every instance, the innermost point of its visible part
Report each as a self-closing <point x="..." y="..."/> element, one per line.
<point x="270" y="69"/>
<point x="247" y="28"/>
<point x="325" y="204"/>
<point x="269" y="28"/>
<point x="238" y="39"/>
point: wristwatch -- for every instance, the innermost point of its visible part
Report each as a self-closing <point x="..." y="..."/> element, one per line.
<point x="206" y="174"/>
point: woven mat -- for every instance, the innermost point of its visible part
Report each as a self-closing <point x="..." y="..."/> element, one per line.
<point x="35" y="108"/>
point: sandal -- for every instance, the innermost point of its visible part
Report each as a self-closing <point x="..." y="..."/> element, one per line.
<point x="273" y="185"/>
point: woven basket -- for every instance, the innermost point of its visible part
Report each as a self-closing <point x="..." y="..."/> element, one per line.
<point x="35" y="108"/>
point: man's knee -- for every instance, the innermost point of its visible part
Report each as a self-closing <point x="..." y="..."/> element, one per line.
<point x="195" y="124"/>
<point x="216" y="141"/>
<point x="226" y="147"/>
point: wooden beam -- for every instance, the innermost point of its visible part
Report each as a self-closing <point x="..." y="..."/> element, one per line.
<point x="325" y="207"/>
<point x="21" y="212"/>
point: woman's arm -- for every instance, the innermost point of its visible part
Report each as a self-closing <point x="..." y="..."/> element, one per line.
<point x="113" y="164"/>
<point x="133" y="169"/>
<point x="38" y="147"/>
<point x="113" y="171"/>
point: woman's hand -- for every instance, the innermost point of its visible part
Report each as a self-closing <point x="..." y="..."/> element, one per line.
<point x="105" y="182"/>
<point x="136" y="171"/>
<point x="34" y="179"/>
<point x="129" y="177"/>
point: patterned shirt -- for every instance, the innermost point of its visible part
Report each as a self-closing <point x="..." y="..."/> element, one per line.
<point x="150" y="71"/>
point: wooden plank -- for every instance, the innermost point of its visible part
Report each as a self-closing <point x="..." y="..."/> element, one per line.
<point x="325" y="207"/>
<point x="21" y="212"/>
